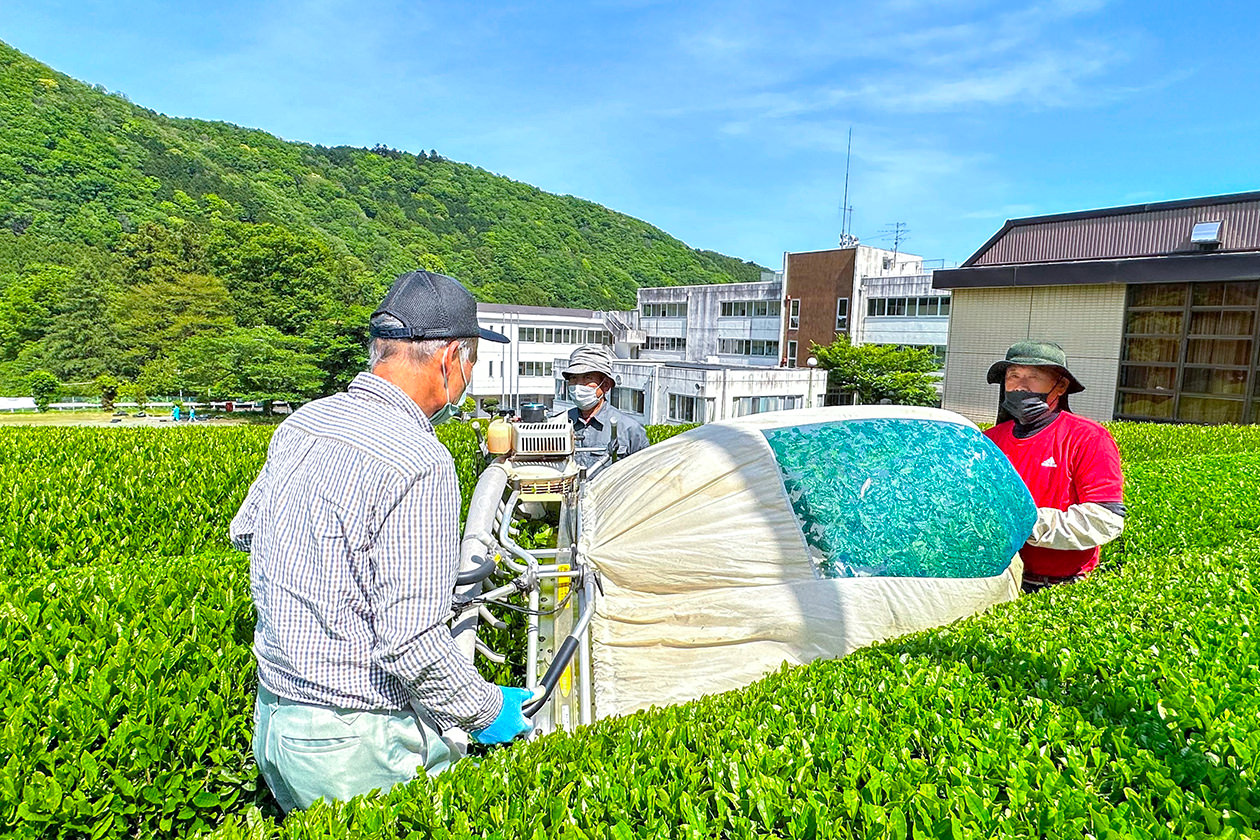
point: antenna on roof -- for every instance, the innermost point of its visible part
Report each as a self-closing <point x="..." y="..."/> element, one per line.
<point x="847" y="239"/>
<point x="899" y="233"/>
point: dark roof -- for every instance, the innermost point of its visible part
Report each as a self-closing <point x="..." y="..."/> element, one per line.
<point x="1133" y="231"/>
<point x="1205" y="267"/>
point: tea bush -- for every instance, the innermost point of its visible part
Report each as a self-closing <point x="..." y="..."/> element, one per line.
<point x="1123" y="707"/>
<point x="127" y="697"/>
<point x="1126" y="706"/>
<point x="1143" y="442"/>
<point x="76" y="495"/>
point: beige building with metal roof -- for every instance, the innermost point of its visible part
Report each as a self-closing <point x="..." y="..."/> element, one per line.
<point x="1156" y="305"/>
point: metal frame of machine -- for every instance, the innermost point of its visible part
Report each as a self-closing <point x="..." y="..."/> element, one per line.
<point x="534" y="475"/>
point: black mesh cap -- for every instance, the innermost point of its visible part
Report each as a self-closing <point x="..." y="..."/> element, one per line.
<point x="429" y="306"/>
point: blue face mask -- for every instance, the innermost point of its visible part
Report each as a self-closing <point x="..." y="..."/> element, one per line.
<point x="451" y="408"/>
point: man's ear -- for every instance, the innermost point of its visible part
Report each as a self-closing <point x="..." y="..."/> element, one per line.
<point x="451" y="354"/>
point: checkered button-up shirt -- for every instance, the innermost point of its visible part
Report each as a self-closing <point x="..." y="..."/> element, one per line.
<point x="352" y="529"/>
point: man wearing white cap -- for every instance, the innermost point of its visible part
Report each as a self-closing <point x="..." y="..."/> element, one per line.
<point x="590" y="373"/>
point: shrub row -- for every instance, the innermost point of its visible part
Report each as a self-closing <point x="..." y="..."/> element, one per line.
<point x="1123" y="707"/>
<point x="75" y="495"/>
<point x="78" y="494"/>
<point x="1128" y="701"/>
<point x="1143" y="442"/>
<point x="127" y="696"/>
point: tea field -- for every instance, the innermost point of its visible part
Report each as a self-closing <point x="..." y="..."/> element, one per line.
<point x="1126" y="706"/>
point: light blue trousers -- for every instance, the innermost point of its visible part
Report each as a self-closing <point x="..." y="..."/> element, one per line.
<point x="307" y="752"/>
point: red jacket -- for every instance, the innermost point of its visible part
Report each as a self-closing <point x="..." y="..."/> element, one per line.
<point x="1071" y="461"/>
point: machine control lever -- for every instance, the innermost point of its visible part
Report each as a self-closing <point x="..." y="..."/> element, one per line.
<point x="552" y="676"/>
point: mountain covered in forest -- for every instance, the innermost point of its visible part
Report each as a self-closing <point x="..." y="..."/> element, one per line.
<point x="181" y="252"/>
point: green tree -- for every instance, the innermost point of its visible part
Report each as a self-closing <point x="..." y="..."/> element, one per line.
<point x="256" y="364"/>
<point x="44" y="388"/>
<point x="164" y="250"/>
<point x="874" y="372"/>
<point x="107" y="387"/>
<point x="277" y="277"/>
<point x="133" y="392"/>
<point x="160" y="377"/>
<point x="28" y="302"/>
<point x="338" y="337"/>
<point x="157" y="315"/>
<point x="80" y="343"/>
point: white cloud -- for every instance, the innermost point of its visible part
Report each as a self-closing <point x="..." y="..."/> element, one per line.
<point x="896" y="60"/>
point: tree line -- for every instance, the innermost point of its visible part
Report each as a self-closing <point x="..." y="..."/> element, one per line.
<point x="171" y="253"/>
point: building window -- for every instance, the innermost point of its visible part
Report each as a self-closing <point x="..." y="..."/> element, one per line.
<point x="791" y="354"/>
<point x="910" y="307"/>
<point x="757" y="405"/>
<point x="750" y="308"/>
<point x="544" y="335"/>
<point x="685" y="409"/>
<point x="748" y="347"/>
<point x="665" y="342"/>
<point x="842" y="314"/>
<point x="534" y="368"/>
<point x="794" y="314"/>
<point x="628" y="399"/>
<point x="665" y="310"/>
<point x="492" y="369"/>
<point x="1188" y="353"/>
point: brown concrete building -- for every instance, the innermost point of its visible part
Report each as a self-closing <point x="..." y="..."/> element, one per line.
<point x="818" y="293"/>
<point x="1156" y="305"/>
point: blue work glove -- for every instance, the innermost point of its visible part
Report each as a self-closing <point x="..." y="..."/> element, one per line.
<point x="511" y="721"/>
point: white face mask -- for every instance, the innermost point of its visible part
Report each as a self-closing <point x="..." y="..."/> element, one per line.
<point x="586" y="396"/>
<point x="451" y="408"/>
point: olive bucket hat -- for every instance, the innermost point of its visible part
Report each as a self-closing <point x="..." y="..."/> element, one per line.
<point x="1038" y="354"/>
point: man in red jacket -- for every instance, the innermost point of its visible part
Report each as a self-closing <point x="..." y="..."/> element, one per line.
<point x="1070" y="464"/>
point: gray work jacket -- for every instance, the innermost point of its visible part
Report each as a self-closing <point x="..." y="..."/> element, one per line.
<point x="597" y="432"/>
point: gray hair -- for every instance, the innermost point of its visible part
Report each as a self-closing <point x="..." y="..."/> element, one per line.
<point x="417" y="351"/>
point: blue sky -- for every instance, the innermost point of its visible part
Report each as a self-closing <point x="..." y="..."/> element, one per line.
<point x="723" y="123"/>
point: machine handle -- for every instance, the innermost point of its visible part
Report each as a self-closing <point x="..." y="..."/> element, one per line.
<point x="479" y="573"/>
<point x="552" y="676"/>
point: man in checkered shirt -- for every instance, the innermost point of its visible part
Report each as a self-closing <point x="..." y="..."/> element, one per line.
<point x="352" y="528"/>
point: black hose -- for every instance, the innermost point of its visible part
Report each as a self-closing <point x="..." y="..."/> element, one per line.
<point x="552" y="676"/>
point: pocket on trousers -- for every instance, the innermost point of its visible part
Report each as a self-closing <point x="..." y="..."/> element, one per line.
<point x="318" y="746"/>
